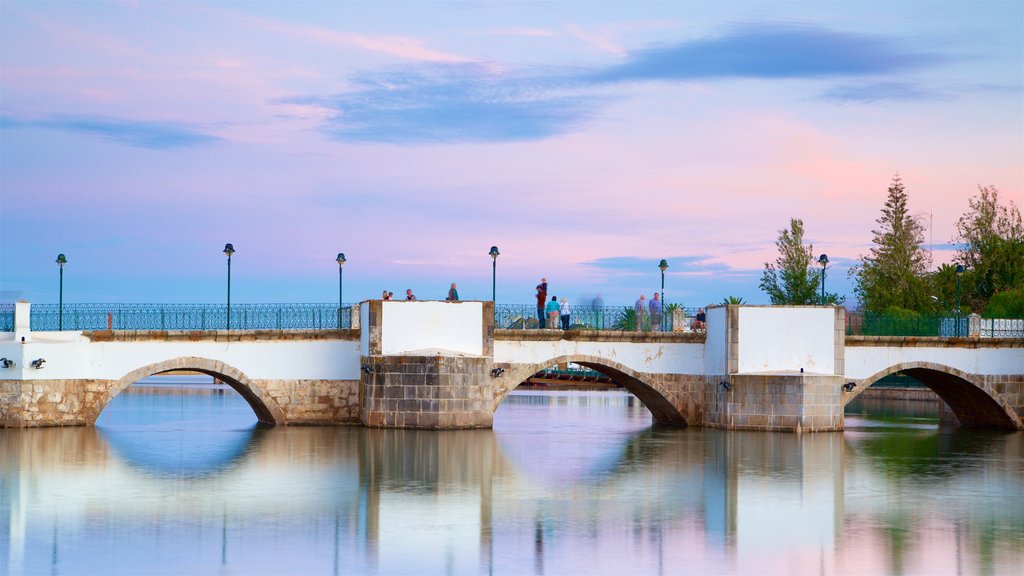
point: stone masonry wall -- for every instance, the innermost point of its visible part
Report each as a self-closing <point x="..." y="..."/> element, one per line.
<point x="773" y="402"/>
<point x="315" y="402"/>
<point x="427" y="392"/>
<point x="33" y="403"/>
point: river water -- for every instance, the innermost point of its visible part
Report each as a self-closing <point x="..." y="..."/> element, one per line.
<point x="174" y="481"/>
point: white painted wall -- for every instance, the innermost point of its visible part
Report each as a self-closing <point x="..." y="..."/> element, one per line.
<point x="451" y="327"/>
<point x="286" y="359"/>
<point x="864" y="361"/>
<point x="664" y="358"/>
<point x="784" y="338"/>
<point x="715" y="360"/>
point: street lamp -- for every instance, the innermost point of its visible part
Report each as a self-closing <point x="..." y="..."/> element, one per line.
<point x="663" y="265"/>
<point x="341" y="262"/>
<point x="228" y="251"/>
<point x="824" y="262"/>
<point x="959" y="273"/>
<point x="61" y="261"/>
<point x="494" y="272"/>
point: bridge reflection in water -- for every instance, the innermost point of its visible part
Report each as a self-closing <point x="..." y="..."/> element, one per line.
<point x="565" y="483"/>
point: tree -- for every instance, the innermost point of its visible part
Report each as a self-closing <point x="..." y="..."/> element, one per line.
<point x="735" y="300"/>
<point x="991" y="240"/>
<point x="893" y="274"/>
<point x="792" y="279"/>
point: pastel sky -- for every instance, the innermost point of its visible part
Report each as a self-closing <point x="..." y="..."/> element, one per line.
<point x="588" y="140"/>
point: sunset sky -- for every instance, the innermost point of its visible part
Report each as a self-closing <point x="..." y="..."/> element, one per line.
<point x="586" y="140"/>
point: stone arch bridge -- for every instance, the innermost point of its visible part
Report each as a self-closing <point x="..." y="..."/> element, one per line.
<point x="443" y="365"/>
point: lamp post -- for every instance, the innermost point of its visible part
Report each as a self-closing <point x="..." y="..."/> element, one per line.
<point x="663" y="265"/>
<point x="341" y="262"/>
<point x="61" y="261"/>
<point x="228" y="251"/>
<point x="494" y="272"/>
<point x="824" y="262"/>
<point x="959" y="273"/>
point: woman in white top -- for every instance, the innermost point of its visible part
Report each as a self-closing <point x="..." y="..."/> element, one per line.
<point x="563" y="311"/>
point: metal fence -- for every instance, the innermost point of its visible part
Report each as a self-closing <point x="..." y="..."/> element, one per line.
<point x="526" y="317"/>
<point x="6" y="317"/>
<point x="190" y="317"/>
<point x="871" y="324"/>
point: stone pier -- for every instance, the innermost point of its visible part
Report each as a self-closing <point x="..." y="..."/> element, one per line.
<point x="436" y="378"/>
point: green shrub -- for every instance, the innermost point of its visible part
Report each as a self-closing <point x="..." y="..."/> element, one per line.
<point x="1005" y="304"/>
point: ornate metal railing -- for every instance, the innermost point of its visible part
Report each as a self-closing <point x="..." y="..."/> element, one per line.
<point x="872" y="324"/>
<point x="6" y="317"/>
<point x="581" y="317"/>
<point x="191" y="317"/>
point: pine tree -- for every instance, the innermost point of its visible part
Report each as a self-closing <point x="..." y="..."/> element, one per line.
<point x="790" y="280"/>
<point x="893" y="275"/>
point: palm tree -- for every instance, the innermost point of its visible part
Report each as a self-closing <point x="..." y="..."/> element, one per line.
<point x="735" y="300"/>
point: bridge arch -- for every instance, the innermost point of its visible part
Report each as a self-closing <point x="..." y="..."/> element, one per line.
<point x="975" y="402"/>
<point x="653" y="394"/>
<point x="263" y="404"/>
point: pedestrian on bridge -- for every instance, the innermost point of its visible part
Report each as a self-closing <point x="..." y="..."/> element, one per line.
<point x="453" y="294"/>
<point x="408" y="294"/>
<point x="640" y="310"/>
<point x="542" y="296"/>
<point x="553" y="310"/>
<point x="655" y="307"/>
<point x="563" y="313"/>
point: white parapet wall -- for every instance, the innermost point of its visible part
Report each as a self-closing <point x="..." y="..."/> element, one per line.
<point x="716" y="358"/>
<point x="651" y="357"/>
<point x="430" y="327"/>
<point x="72" y="355"/>
<point x="786" y="339"/>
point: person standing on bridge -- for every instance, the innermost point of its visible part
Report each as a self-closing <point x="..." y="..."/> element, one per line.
<point x="640" y="311"/>
<point x="453" y="294"/>
<point x="598" y="304"/>
<point x="408" y="294"/>
<point x="542" y="296"/>
<point x="655" y="307"/>
<point x="563" y="313"/>
<point x="553" y="310"/>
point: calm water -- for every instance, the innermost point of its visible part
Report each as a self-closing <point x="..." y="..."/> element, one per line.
<point x="566" y="483"/>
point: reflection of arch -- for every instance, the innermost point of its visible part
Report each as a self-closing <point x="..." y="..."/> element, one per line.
<point x="976" y="404"/>
<point x="266" y="408"/>
<point x="217" y="454"/>
<point x="653" y="395"/>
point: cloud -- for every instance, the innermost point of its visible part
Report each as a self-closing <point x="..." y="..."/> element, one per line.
<point x="480" y="102"/>
<point x="453" y="103"/>
<point x="775" y="50"/>
<point x="878" y="92"/>
<point x="641" y="265"/>
<point x="140" y="134"/>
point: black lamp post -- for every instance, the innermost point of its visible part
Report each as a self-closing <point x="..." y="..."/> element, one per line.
<point x="824" y="262"/>
<point x="61" y="261"/>
<point x="341" y="262"/>
<point x="494" y="272"/>
<point x="663" y="265"/>
<point x="959" y="273"/>
<point x="228" y="251"/>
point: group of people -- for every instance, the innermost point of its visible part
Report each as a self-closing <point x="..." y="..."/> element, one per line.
<point x="453" y="294"/>
<point x="656" y="310"/>
<point x="552" y="313"/>
<point x="391" y="295"/>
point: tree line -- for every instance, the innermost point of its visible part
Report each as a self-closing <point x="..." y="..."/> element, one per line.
<point x="897" y="277"/>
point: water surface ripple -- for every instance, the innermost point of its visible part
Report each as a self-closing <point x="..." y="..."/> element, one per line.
<point x="565" y="483"/>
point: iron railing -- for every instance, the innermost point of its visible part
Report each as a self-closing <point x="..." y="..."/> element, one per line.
<point x="872" y="324"/>
<point x="581" y="317"/>
<point x="1000" y="327"/>
<point x="6" y="317"/>
<point x="45" y="317"/>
